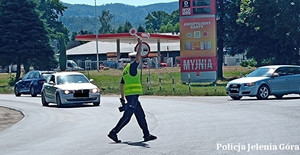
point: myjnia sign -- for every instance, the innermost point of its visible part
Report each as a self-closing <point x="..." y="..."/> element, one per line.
<point x="198" y="40"/>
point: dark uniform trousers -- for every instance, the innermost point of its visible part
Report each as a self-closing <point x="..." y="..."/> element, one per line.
<point x="134" y="107"/>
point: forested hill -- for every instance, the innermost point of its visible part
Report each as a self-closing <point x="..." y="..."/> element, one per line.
<point x="78" y="17"/>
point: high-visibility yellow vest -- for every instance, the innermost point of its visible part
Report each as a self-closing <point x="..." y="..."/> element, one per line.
<point x="132" y="84"/>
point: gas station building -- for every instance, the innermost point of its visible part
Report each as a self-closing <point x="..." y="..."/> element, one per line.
<point x="120" y="47"/>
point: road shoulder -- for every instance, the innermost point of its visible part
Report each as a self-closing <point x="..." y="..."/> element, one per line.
<point x="9" y="117"/>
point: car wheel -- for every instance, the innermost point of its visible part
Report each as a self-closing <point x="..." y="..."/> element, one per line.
<point x="236" y="97"/>
<point x="17" y="91"/>
<point x="32" y="92"/>
<point x="96" y="103"/>
<point x="44" y="102"/>
<point x="263" y="92"/>
<point x="278" y="96"/>
<point x="58" y="101"/>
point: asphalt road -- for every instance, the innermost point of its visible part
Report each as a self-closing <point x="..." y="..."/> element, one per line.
<point x="184" y="125"/>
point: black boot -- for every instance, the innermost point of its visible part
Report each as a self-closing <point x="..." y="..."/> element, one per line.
<point x="112" y="135"/>
<point x="149" y="137"/>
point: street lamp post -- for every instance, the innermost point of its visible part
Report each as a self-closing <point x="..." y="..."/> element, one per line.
<point x="97" y="36"/>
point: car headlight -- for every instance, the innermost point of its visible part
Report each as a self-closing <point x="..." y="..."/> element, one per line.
<point x="67" y="92"/>
<point x="250" y="84"/>
<point x="228" y="84"/>
<point x="95" y="90"/>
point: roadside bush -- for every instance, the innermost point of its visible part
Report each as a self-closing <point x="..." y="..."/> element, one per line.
<point x="12" y="80"/>
<point x="249" y="63"/>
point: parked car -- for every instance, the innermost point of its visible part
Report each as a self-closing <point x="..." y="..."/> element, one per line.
<point x="276" y="80"/>
<point x="69" y="88"/>
<point x="72" y="66"/>
<point x="31" y="83"/>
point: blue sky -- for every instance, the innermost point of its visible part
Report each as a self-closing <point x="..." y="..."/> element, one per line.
<point x="129" y="2"/>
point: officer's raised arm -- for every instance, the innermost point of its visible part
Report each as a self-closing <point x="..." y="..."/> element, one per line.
<point x="139" y="50"/>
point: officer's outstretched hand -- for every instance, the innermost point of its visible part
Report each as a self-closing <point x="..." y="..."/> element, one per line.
<point x="139" y="40"/>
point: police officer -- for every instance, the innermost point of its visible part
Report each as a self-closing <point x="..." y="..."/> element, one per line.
<point x="131" y="88"/>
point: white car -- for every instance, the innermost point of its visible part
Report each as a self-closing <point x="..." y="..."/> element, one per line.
<point x="69" y="88"/>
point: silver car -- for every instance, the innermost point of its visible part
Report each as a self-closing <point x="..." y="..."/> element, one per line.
<point x="69" y="88"/>
<point x="274" y="80"/>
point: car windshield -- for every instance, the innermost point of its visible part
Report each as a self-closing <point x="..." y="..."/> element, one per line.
<point x="72" y="79"/>
<point x="262" y="72"/>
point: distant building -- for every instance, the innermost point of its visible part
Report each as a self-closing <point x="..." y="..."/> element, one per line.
<point x="233" y="60"/>
<point x="115" y="47"/>
<point x="107" y="52"/>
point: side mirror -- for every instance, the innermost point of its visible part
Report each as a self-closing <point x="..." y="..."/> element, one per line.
<point x="91" y="80"/>
<point x="275" y="75"/>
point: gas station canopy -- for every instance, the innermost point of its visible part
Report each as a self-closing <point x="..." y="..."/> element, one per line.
<point x="130" y="38"/>
<point x="127" y="38"/>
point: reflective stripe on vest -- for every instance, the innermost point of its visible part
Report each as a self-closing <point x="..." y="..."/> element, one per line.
<point x="132" y="84"/>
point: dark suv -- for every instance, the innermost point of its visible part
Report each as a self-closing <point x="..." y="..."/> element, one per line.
<point x="31" y="83"/>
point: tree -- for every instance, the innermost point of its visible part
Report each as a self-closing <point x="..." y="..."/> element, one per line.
<point x="174" y="17"/>
<point x="177" y="28"/>
<point x="105" y="20"/>
<point x="221" y="35"/>
<point x="166" y="28"/>
<point x="230" y="30"/>
<point x="120" y="29"/>
<point x="127" y="27"/>
<point x="227" y="14"/>
<point x="170" y="27"/>
<point x="81" y="32"/>
<point x="156" y="19"/>
<point x="151" y="30"/>
<point x="73" y="36"/>
<point x="62" y="53"/>
<point x="150" y="22"/>
<point x="51" y="10"/>
<point x="24" y="39"/>
<point x="270" y="31"/>
<point x="141" y="29"/>
<point x="160" y="21"/>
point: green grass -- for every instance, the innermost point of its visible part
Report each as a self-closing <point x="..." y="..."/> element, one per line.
<point x="4" y="86"/>
<point x="109" y="82"/>
<point x="232" y="72"/>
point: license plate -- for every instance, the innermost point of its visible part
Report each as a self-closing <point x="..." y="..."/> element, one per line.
<point x="81" y="95"/>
